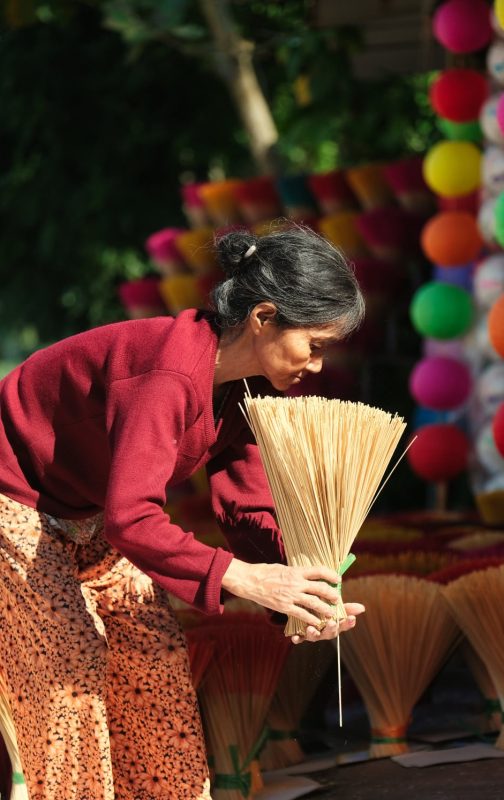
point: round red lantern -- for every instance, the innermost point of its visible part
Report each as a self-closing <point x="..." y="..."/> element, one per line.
<point x="498" y="429"/>
<point x="451" y="238"/>
<point x="496" y="325"/>
<point x="458" y="94"/>
<point x="439" y="452"/>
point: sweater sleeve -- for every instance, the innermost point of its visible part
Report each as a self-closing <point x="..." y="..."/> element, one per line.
<point x="146" y="417"/>
<point x="242" y="501"/>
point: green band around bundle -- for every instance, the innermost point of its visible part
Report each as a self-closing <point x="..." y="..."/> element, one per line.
<point x="493" y="706"/>
<point x="349" y="560"/>
<point x="275" y="735"/>
<point x="240" y="779"/>
<point x="18" y="778"/>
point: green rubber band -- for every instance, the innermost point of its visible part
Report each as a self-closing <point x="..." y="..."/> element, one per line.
<point x="277" y="736"/>
<point x="240" y="779"/>
<point x="18" y="778"/>
<point x="493" y="706"/>
<point x="388" y="740"/>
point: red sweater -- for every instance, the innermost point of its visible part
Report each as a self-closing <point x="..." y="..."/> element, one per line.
<point x="110" y="418"/>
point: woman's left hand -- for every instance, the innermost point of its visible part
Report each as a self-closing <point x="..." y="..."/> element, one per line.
<point x="331" y="628"/>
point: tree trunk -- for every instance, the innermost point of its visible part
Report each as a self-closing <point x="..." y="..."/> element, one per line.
<point x="235" y="65"/>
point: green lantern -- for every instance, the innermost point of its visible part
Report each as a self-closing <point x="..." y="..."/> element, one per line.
<point x="441" y="310"/>
<point x="461" y="131"/>
<point x="499" y="219"/>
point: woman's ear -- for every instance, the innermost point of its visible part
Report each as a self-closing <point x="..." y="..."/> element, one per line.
<point x="262" y="314"/>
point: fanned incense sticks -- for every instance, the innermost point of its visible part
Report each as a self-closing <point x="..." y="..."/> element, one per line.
<point x="235" y="696"/>
<point x="476" y="602"/>
<point x="8" y="732"/>
<point x="324" y="460"/>
<point x="304" y="670"/>
<point x="395" y="651"/>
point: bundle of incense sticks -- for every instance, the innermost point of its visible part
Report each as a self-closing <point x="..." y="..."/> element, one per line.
<point x="395" y="651"/>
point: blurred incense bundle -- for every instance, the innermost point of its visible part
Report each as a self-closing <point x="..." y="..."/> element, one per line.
<point x="476" y="600"/>
<point x="324" y="460"/>
<point x="306" y="666"/>
<point x="395" y="651"/>
<point x="235" y="696"/>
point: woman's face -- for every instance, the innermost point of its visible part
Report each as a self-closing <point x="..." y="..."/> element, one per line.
<point x="287" y="355"/>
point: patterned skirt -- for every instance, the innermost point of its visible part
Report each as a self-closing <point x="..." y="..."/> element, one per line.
<point x="95" y="667"/>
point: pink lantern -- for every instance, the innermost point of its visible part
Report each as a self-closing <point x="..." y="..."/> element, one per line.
<point x="463" y="26"/>
<point x="440" y="383"/>
<point x="163" y="251"/>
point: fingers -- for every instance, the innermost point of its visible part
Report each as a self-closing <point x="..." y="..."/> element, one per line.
<point x="322" y="589"/>
<point x="330" y="631"/>
<point x="321" y="574"/>
<point x="354" y="609"/>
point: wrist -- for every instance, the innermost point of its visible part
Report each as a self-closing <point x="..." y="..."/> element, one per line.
<point x="237" y="577"/>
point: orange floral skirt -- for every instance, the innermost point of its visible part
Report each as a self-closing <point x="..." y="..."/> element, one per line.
<point x="96" y="668"/>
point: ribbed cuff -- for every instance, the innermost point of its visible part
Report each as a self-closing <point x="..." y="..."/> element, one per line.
<point x="213" y="584"/>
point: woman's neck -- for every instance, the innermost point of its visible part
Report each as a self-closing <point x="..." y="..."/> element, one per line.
<point x="235" y="358"/>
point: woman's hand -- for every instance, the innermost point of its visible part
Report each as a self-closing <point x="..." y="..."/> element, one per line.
<point x="301" y="592"/>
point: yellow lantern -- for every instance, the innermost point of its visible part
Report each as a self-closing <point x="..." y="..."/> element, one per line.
<point x="453" y="168"/>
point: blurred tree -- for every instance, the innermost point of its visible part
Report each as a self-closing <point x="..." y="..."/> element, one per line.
<point x="107" y="104"/>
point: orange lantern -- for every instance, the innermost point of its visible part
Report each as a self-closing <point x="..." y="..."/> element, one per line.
<point x="496" y="325"/>
<point x="451" y="238"/>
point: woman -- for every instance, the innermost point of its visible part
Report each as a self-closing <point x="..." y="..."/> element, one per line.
<point x="106" y="421"/>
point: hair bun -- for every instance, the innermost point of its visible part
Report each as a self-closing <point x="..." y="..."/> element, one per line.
<point x="234" y="250"/>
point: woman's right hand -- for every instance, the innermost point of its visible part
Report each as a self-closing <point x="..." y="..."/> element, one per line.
<point x="301" y="592"/>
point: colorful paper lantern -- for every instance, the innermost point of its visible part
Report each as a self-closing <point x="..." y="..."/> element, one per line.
<point x="332" y="191"/>
<point x="488" y="282"/>
<point x="495" y="61"/>
<point x="341" y="229"/>
<point x="386" y="232"/>
<point x="498" y="429"/>
<point x="458" y="94"/>
<point x="440" y="383"/>
<point x="499" y="218"/>
<point x="488" y="120"/>
<point x="142" y="298"/>
<point x="257" y="199"/>
<point x="453" y="168"/>
<point x="368" y="183"/>
<point x="463" y="26"/>
<point x="487" y="223"/>
<point x="405" y="178"/>
<point x="163" y="250"/>
<point x="500" y="112"/>
<point x="499" y="12"/>
<point x="197" y="248"/>
<point x="492" y="169"/>
<point x="220" y="201"/>
<point x="451" y="238"/>
<point x="296" y="195"/>
<point x="441" y="311"/>
<point x="490" y="389"/>
<point x="496" y="325"/>
<point x="193" y="205"/>
<point x="479" y="341"/>
<point x="461" y="131"/>
<point x="467" y="202"/>
<point x="486" y="450"/>
<point x="439" y="452"/>
<point x="458" y="276"/>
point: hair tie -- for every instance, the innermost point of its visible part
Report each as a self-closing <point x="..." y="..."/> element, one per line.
<point x="250" y="251"/>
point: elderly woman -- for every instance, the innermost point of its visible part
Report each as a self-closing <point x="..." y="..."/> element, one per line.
<point x="94" y="431"/>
